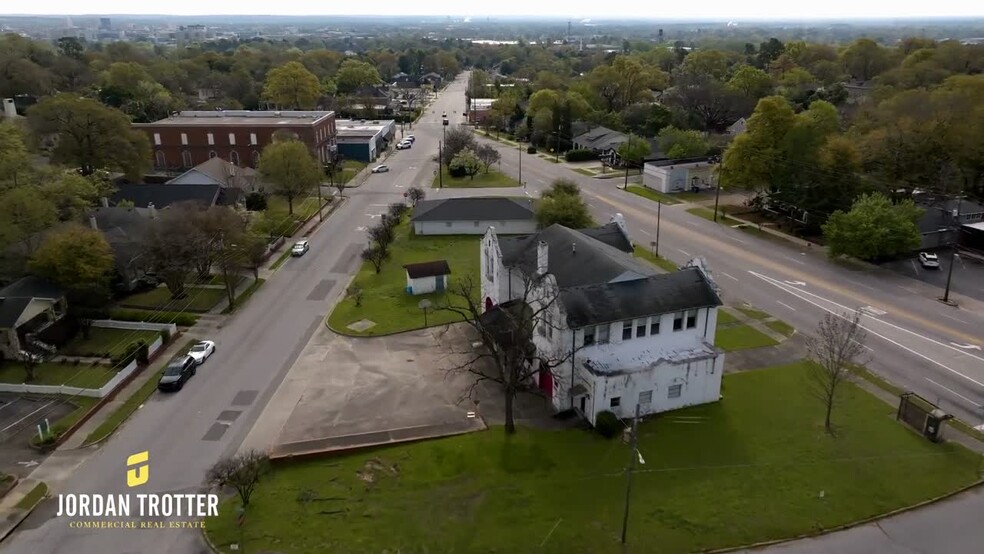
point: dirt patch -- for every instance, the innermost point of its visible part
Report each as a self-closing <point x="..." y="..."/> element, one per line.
<point x="374" y="468"/>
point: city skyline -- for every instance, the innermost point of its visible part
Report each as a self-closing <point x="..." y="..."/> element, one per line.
<point x="721" y="9"/>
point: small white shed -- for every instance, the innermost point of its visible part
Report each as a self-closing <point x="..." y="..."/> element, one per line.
<point x="427" y="277"/>
<point x="678" y="175"/>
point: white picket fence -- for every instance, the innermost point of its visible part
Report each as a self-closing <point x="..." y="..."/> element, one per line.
<point x="110" y="386"/>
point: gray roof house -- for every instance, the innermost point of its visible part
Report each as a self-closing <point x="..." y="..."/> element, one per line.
<point x="624" y="331"/>
<point x="217" y="171"/>
<point x="473" y="215"/>
<point x="27" y="307"/>
<point x="602" y="141"/>
<point x="125" y="229"/>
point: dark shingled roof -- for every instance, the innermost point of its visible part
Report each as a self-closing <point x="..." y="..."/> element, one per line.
<point x="481" y="208"/>
<point x="15" y="297"/>
<point x="591" y="261"/>
<point x="164" y="195"/>
<point x="428" y="269"/>
<point x="611" y="235"/>
<point x="686" y="289"/>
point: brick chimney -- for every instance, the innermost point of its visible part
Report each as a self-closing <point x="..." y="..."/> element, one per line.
<point x="541" y="258"/>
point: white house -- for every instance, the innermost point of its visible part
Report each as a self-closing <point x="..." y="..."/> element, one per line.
<point x="473" y="216"/>
<point x="668" y="175"/>
<point x="629" y="333"/>
<point x="427" y="277"/>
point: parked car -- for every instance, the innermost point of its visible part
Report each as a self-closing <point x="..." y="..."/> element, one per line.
<point x="411" y="138"/>
<point x="531" y="149"/>
<point x="380" y="169"/>
<point x="403" y="145"/>
<point x="300" y="248"/>
<point x="201" y="351"/>
<point x="176" y="374"/>
<point x="929" y="260"/>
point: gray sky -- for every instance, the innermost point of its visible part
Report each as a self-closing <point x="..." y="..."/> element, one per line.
<point x="705" y="9"/>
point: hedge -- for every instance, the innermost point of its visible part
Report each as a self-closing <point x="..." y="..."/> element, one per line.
<point x="580" y="156"/>
<point x="181" y="319"/>
<point x="607" y="424"/>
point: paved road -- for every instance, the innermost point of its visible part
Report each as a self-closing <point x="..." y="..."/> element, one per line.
<point x="187" y="432"/>
<point x="914" y="340"/>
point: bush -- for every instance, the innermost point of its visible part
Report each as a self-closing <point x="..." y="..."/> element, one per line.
<point x="607" y="424"/>
<point x="458" y="171"/>
<point x="397" y="210"/>
<point x="178" y="318"/>
<point x="531" y="150"/>
<point x="256" y="202"/>
<point x="580" y="156"/>
<point x="133" y="351"/>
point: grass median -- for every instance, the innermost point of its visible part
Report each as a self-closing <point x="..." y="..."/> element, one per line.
<point x="490" y="179"/>
<point x="755" y="466"/>
<point x="130" y="405"/>
<point x="33" y="497"/>
<point x="651" y="194"/>
<point x="741" y="337"/>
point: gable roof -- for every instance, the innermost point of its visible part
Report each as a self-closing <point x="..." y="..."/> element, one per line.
<point x="611" y="235"/>
<point x="573" y="257"/>
<point x="685" y="289"/>
<point x="481" y="208"/>
<point x="15" y="297"/>
<point x="217" y="171"/>
<point x="162" y="196"/>
<point x="428" y="269"/>
<point x="601" y="138"/>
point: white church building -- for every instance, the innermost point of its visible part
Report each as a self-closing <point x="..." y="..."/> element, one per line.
<point x="628" y="332"/>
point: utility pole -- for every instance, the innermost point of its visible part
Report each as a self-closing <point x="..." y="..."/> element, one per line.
<point x="953" y="252"/>
<point x="626" y="163"/>
<point x="659" y="209"/>
<point x="717" y="193"/>
<point x="633" y="455"/>
<point x="557" y="145"/>
<point x="521" y="163"/>
<point x="321" y="215"/>
<point x="440" y="164"/>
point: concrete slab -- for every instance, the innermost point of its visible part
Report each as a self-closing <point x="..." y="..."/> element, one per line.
<point x="346" y="392"/>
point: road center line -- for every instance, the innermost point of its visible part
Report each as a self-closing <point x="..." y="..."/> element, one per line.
<point x="879" y="335"/>
<point x="957" y="319"/>
<point x="647" y="233"/>
<point x="729" y="276"/>
<point x="736" y="239"/>
<point x="781" y="303"/>
<point x="953" y="392"/>
<point x="685" y="253"/>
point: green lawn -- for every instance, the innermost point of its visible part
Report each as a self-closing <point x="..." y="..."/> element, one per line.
<point x="30" y="499"/>
<point x="131" y="404"/>
<point x="56" y="373"/>
<point x="483" y="180"/>
<point x="584" y="171"/>
<point x="215" y="280"/>
<point x="781" y="327"/>
<point x="692" y="196"/>
<point x="385" y="300"/>
<point x="741" y="337"/>
<point x="105" y="342"/>
<point x="653" y="195"/>
<point x="349" y="169"/>
<point x="708" y="214"/>
<point x="646" y="254"/>
<point x="752" y="312"/>
<point x="197" y="299"/>
<point x="747" y="469"/>
<point x="725" y="317"/>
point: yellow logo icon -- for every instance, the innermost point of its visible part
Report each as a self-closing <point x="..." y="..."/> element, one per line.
<point x="139" y="475"/>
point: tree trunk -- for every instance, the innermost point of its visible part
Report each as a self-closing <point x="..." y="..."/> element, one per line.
<point x="290" y="205"/>
<point x="510" y="424"/>
<point x="229" y="289"/>
<point x="826" y="421"/>
<point x="256" y="273"/>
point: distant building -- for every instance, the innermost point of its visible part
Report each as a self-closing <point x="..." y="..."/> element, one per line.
<point x="364" y="140"/>
<point x="189" y="34"/>
<point x="479" y="110"/>
<point x="105" y="24"/>
<point x="668" y="175"/>
<point x="189" y="138"/>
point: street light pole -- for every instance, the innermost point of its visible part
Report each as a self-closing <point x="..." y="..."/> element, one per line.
<point x="557" y="146"/>
<point x="440" y="164"/>
<point x="633" y="455"/>
<point x="659" y="210"/>
<point x="521" y="163"/>
<point x="717" y="195"/>
<point x="953" y="252"/>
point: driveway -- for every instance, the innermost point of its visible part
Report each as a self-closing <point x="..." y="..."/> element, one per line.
<point x="347" y="392"/>
<point x="19" y="418"/>
<point x="968" y="273"/>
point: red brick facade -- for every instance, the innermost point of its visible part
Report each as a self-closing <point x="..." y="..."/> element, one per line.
<point x="184" y="141"/>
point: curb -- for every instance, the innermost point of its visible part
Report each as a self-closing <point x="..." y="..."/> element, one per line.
<point x="13" y="484"/>
<point x="851" y="525"/>
<point x="24" y="513"/>
<point x="208" y="542"/>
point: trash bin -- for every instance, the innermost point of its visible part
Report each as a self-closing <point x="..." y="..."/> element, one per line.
<point x="934" y="425"/>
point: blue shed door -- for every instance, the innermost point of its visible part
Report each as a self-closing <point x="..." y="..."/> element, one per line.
<point x="439" y="283"/>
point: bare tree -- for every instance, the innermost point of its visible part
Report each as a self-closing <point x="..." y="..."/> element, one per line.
<point x="836" y="350"/>
<point x="382" y="234"/>
<point x="376" y="256"/>
<point x="488" y="155"/>
<point x="507" y="336"/>
<point x="241" y="472"/>
<point x="415" y="194"/>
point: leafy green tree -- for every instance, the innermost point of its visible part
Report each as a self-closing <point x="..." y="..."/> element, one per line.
<point x="456" y="139"/>
<point x="646" y="119"/>
<point x="875" y="228"/>
<point x="71" y="47"/>
<point x="678" y="143"/>
<point x="291" y="170"/>
<point x="751" y="82"/>
<point x="865" y="59"/>
<point x="754" y="157"/>
<point x="568" y="210"/>
<point x="632" y="152"/>
<point x="466" y="162"/>
<point x="129" y="87"/>
<point x="91" y="136"/>
<point x="562" y="187"/>
<point x="71" y="193"/>
<point x="353" y="75"/>
<point x="292" y="86"/>
<point x="24" y="214"/>
<point x="15" y="161"/>
<point x="79" y="260"/>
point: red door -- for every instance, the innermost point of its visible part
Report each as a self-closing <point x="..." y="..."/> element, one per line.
<point x="546" y="383"/>
<point x="488" y="303"/>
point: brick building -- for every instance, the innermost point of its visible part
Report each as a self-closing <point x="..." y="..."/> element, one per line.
<point x="189" y="138"/>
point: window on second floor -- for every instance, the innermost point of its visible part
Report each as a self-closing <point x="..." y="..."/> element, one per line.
<point x="589" y="336"/>
<point x="678" y="321"/>
<point x="654" y="325"/>
<point x="211" y="139"/>
<point x="252" y="139"/>
<point x="640" y="328"/>
<point x="601" y="335"/>
<point x="157" y="139"/>
<point x="626" y="330"/>
<point x="615" y="402"/>
<point x="184" y="139"/>
<point x="232" y="139"/>
<point x="691" y="319"/>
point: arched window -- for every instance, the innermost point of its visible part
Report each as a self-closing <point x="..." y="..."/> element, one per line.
<point x="161" y="160"/>
<point x="234" y="157"/>
<point x="256" y="158"/>
<point x="186" y="158"/>
<point x="212" y="154"/>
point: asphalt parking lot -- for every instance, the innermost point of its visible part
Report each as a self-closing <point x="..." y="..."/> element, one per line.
<point x="968" y="273"/>
<point x="19" y="417"/>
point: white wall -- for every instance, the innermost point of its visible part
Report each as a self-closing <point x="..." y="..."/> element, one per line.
<point x="139" y="325"/>
<point x="67" y="389"/>
<point x="423" y="285"/>
<point x="512" y="227"/>
<point x="676" y="178"/>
